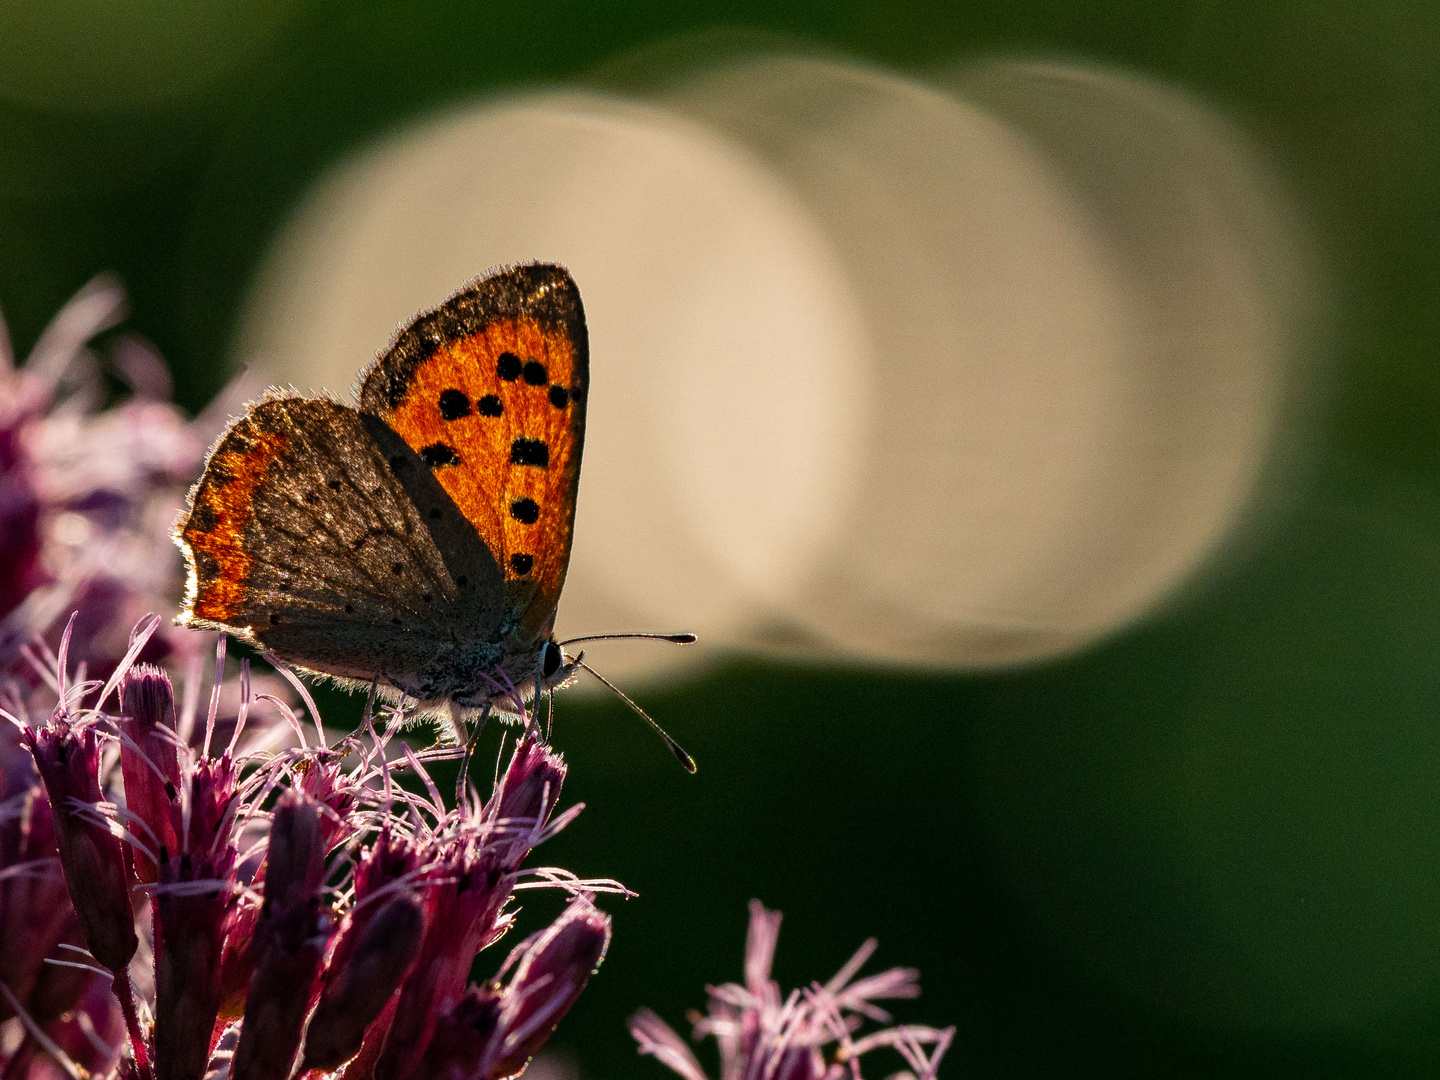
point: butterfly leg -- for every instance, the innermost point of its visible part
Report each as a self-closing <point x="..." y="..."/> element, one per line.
<point x="470" y="743"/>
<point x="366" y="718"/>
<point x="539" y="683"/>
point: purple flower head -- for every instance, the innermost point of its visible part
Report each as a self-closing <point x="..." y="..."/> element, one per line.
<point x="474" y="858"/>
<point x="494" y="1030"/>
<point x="807" y="1035"/>
<point x="150" y="762"/>
<point x="26" y="394"/>
<point x="36" y="916"/>
<point x="373" y="957"/>
<point x="87" y="495"/>
<point x="292" y="935"/>
<point x="68" y="759"/>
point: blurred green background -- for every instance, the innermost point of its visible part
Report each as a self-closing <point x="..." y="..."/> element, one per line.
<point x="1210" y="846"/>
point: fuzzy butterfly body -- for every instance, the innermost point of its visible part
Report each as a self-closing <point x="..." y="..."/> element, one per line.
<point x="420" y="539"/>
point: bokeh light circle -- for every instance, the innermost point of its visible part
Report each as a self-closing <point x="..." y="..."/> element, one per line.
<point x="706" y="288"/>
<point x="878" y="374"/>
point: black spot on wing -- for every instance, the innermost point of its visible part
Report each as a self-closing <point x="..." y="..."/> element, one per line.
<point x="454" y="404"/>
<point x="535" y="373"/>
<point x="525" y="511"/>
<point x="219" y="471"/>
<point x="437" y="455"/>
<point x="559" y="396"/>
<point x="489" y="405"/>
<point x="202" y="517"/>
<point x="508" y="367"/>
<point x="522" y="564"/>
<point x="533" y="452"/>
<point x="543" y="292"/>
<point x="466" y="557"/>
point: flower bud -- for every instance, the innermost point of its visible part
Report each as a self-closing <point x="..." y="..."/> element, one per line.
<point x="150" y="762"/>
<point x="35" y="911"/>
<point x="493" y="1032"/>
<point x="551" y="974"/>
<point x="69" y="761"/>
<point x="391" y="858"/>
<point x="376" y="948"/>
<point x="187" y="976"/>
<point x="524" y="801"/>
<point x="294" y="859"/>
<point x="471" y="880"/>
<point x="291" y="938"/>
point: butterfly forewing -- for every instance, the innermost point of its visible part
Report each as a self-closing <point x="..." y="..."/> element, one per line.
<point x="488" y="391"/>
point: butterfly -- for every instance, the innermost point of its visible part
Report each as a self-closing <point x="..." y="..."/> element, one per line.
<point x="416" y="543"/>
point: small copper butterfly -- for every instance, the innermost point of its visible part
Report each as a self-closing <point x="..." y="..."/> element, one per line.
<point x="418" y="542"/>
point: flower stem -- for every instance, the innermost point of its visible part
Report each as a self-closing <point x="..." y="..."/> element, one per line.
<point x="126" y="996"/>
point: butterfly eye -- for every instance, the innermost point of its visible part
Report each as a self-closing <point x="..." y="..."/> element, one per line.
<point x="552" y="659"/>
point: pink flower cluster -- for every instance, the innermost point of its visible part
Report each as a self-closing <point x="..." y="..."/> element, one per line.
<point x="300" y="911"/>
<point x="88" y="495"/>
<point x="809" y="1034"/>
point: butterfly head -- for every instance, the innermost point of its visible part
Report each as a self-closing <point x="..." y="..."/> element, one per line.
<point x="554" y="668"/>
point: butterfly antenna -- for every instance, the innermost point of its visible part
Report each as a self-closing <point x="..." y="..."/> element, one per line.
<point x="677" y="639"/>
<point x="686" y="761"/>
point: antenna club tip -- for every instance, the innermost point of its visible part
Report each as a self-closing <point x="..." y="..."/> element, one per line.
<point x="684" y="639"/>
<point x="686" y="761"/>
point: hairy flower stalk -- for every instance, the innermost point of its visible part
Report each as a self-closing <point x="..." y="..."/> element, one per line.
<point x="807" y="1035"/>
<point x="150" y="763"/>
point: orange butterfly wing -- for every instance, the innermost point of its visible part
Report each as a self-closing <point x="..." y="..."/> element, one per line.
<point x="489" y="390"/>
